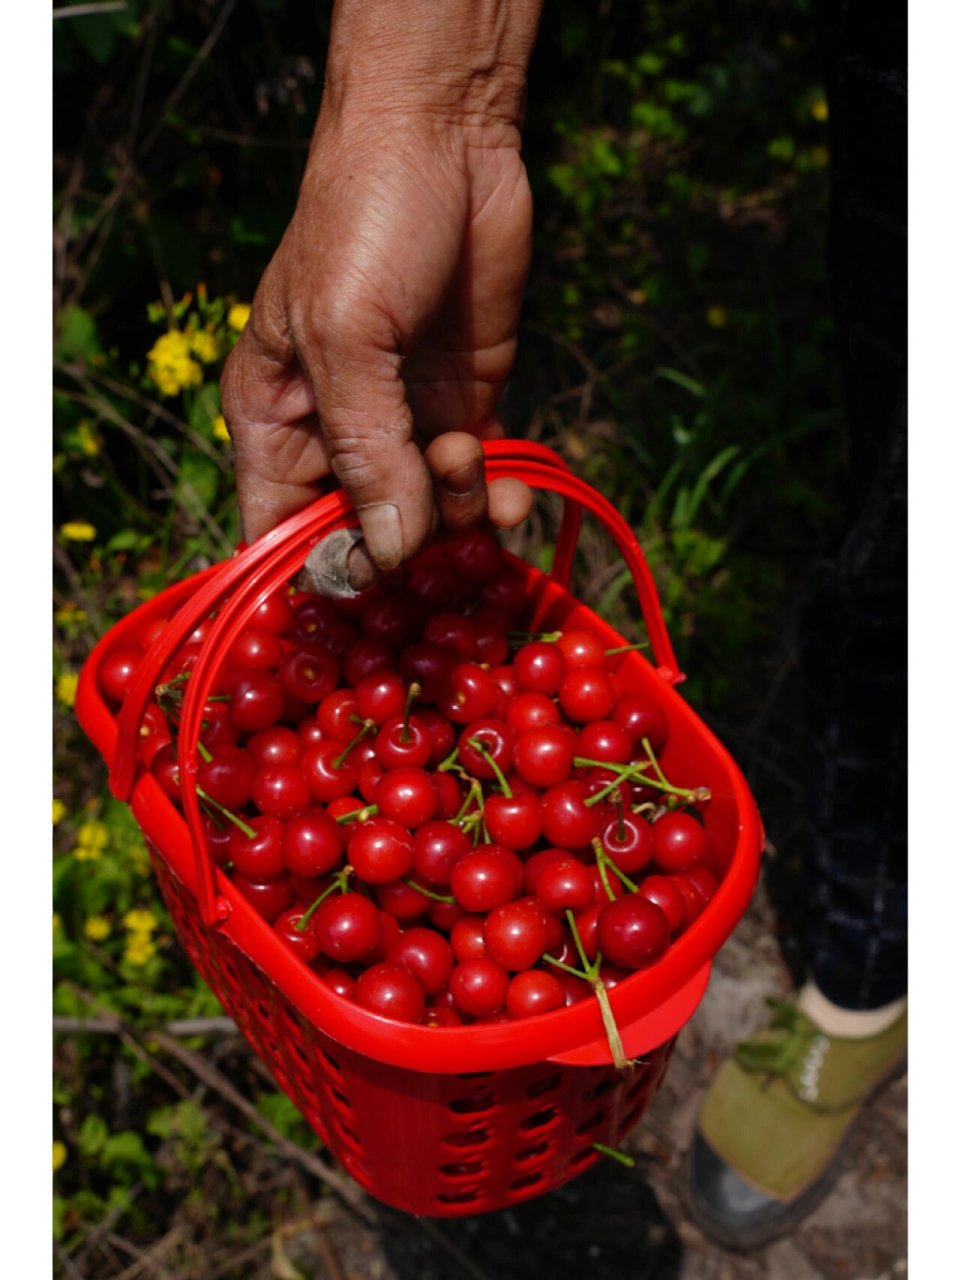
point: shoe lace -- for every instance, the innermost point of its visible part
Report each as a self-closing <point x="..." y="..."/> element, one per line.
<point x="791" y="1049"/>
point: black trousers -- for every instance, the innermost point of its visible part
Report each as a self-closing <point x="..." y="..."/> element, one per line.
<point x="854" y="650"/>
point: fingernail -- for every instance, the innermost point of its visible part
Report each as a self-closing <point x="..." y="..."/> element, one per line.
<point x="465" y="479"/>
<point x="382" y="533"/>
<point x="328" y="570"/>
<point x="361" y="571"/>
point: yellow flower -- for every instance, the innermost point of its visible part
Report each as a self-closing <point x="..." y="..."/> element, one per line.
<point x="70" y="613"/>
<point x="57" y="922"/>
<point x="819" y="110"/>
<point x="77" y="531"/>
<point x="204" y="346"/>
<point x="86" y="853"/>
<point x="220" y="431"/>
<point x="170" y="364"/>
<point x="88" y="439"/>
<point x="140" y="920"/>
<point x="140" y="948"/>
<point x="59" y="810"/>
<point x="717" y="317"/>
<point x="67" y="688"/>
<point x="238" y="315"/>
<point x="96" y="927"/>
<point x="93" y="834"/>
<point x="59" y="1155"/>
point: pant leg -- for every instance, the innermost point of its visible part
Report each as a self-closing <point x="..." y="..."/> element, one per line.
<point x="854" y="629"/>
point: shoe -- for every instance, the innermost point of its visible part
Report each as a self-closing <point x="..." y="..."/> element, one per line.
<point x="773" y="1123"/>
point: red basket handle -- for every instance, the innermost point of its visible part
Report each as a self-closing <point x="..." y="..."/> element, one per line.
<point x="273" y="559"/>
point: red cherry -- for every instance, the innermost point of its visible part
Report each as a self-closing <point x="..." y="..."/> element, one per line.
<point x="437" y="846"/>
<point x="471" y="694"/>
<point x="581" y="649"/>
<point x="586" y="693"/>
<point x="379" y="850"/>
<point x="604" y="740"/>
<point x="303" y="941"/>
<point x="366" y="657"/>
<point x="429" y="666"/>
<point x="528" y="710"/>
<point x="408" y="796"/>
<point x="515" y="933"/>
<point x="268" y="898"/>
<point x="539" y="667"/>
<point x="256" y="700"/>
<point x="544" y="756"/>
<point x="478" y="987"/>
<point x="117" y="671"/>
<point x="335" y="715"/>
<point x="564" y="884"/>
<point x="313" y="842"/>
<point x="534" y="991"/>
<point x="453" y="632"/>
<point x="394" y="618"/>
<point x="679" y="842"/>
<point x="476" y="555"/>
<point x="427" y="956"/>
<point x="485" y="877"/>
<point x="513" y="821"/>
<point x="327" y="774"/>
<point x="391" y="991"/>
<point x="381" y="696"/>
<point x="348" y="926"/>
<point x="309" y="672"/>
<point x="259" y="857"/>
<point x="275" y="613"/>
<point x="568" y="822"/>
<point x="628" y="840"/>
<point x="663" y="893"/>
<point x="640" y="719"/>
<point x="280" y="790"/>
<point x="402" y="901"/>
<point x="404" y="742"/>
<point x="255" y="647"/>
<point x="632" y="932"/>
<point x="466" y="938"/>
<point x="497" y="739"/>
<point x="226" y="777"/>
<point x="278" y="745"/>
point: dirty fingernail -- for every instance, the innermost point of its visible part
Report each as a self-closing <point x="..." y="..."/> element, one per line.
<point x="361" y="571"/>
<point x="383" y="533"/>
<point x="328" y="568"/>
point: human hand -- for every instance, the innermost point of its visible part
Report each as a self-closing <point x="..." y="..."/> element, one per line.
<point x="385" y="326"/>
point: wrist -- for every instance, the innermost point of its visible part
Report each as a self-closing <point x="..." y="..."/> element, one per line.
<point x="462" y="62"/>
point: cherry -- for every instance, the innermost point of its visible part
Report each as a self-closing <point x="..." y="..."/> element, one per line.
<point x="568" y="821"/>
<point x="381" y="696"/>
<point x="586" y="693"/>
<point x="429" y="666"/>
<point x="471" y="694"/>
<point x="227" y="777"/>
<point x="544" y="756"/>
<point x="217" y="728"/>
<point x="679" y="842"/>
<point x="632" y="932"/>
<point x="337" y="715"/>
<point x="391" y="991"/>
<point x="255" y="647"/>
<point x="153" y="734"/>
<point x="348" y="926"/>
<point x="539" y="667"/>
<point x="663" y="893"/>
<point x="303" y="941"/>
<point x="380" y="850"/>
<point x="277" y="745"/>
<point x="404" y="741"/>
<point x="269" y="898"/>
<point x="628" y="841"/>
<point x="641" y="719"/>
<point x="408" y="796"/>
<point x="604" y="740"/>
<point x="393" y="618"/>
<point x="528" y="710"/>
<point x="514" y="821"/>
<point x="515" y="933"/>
<point x="256" y="699"/>
<point x="218" y="835"/>
<point x="534" y="991"/>
<point x="275" y="613"/>
<point x="564" y="884"/>
<point x="280" y="790"/>
<point x="478" y="987"/>
<point x="313" y="842"/>
<point x="453" y="632"/>
<point x="402" y="900"/>
<point x="366" y="657"/>
<point x="581" y="649"/>
<point x="258" y="857"/>
<point x="328" y="772"/>
<point x="495" y="752"/>
<point x="426" y="955"/>
<point x="466" y="938"/>
<point x="485" y="877"/>
<point x="117" y="671"/>
<point x="309" y="672"/>
<point x="437" y="846"/>
<point x="492" y="646"/>
<point x="339" y="980"/>
<point x="442" y="736"/>
<point x="476" y="555"/>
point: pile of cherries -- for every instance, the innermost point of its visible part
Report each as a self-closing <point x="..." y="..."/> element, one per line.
<point x="449" y="819"/>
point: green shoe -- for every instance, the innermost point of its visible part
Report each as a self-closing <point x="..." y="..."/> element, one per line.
<point x="774" y="1120"/>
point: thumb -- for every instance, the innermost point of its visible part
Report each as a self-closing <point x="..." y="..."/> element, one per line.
<point x="367" y="429"/>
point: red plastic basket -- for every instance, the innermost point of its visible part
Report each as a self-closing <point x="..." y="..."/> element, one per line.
<point x="441" y="1121"/>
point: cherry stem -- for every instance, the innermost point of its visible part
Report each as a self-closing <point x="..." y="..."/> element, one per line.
<point x="481" y="750"/>
<point x="428" y="893"/>
<point x="475" y="793"/>
<point x="237" y="822"/>
<point x="203" y="753"/>
<point x="524" y="637"/>
<point x="632" y="773"/>
<point x="339" y="762"/>
<point x="592" y="975"/>
<point x="413" y="693"/>
<point x="605" y="862"/>
<point x="620" y="1156"/>
<point x="339" y="882"/>
<point x="358" y="815"/>
<point x="626" y="648"/>
<point x="449" y="762"/>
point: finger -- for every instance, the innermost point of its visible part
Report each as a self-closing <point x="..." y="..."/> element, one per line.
<point x="368" y="431"/>
<point x="509" y="502"/>
<point x="455" y="461"/>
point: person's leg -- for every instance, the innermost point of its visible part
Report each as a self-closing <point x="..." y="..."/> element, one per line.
<point x="777" y="1112"/>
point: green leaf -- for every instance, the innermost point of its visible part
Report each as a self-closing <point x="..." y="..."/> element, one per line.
<point x="76" y="336"/>
<point x="197" y="481"/>
<point x="682" y="380"/>
<point x="93" y="1135"/>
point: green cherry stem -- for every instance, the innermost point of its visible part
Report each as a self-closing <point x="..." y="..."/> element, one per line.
<point x="592" y="974"/>
<point x="626" y="648"/>
<point x="203" y="753"/>
<point x="620" y="1156"/>
<point x="413" y="693"/>
<point x="488" y="759"/>
<point x="368" y="727"/>
<point x="237" y="822"/>
<point x="339" y="882"/>
<point x="358" y="815"/>
<point x="429" y="893"/>
<point x="606" y="863"/>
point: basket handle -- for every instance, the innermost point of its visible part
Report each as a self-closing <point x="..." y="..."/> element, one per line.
<point x="273" y="559"/>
